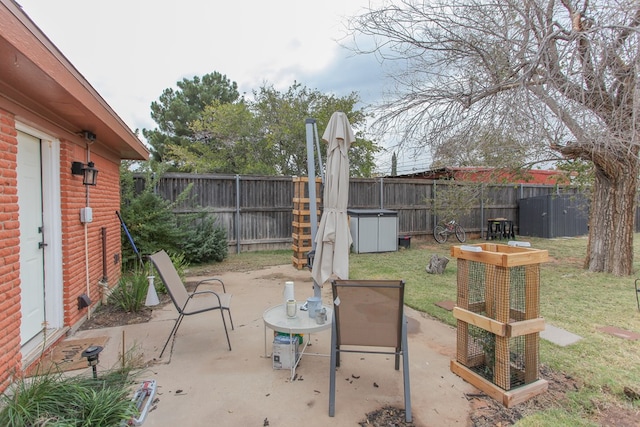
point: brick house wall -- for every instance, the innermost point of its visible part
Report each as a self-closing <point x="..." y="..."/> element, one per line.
<point x="104" y="199"/>
<point x="9" y="252"/>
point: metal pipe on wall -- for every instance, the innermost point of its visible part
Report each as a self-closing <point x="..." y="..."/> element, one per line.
<point x="86" y="237"/>
<point x="104" y="254"/>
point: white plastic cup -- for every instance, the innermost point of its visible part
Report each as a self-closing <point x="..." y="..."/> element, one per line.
<point x="288" y="292"/>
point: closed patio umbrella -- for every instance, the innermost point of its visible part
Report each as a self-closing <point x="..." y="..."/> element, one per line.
<point x="333" y="238"/>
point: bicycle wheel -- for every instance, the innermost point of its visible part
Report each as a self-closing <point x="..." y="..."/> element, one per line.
<point x="440" y="234"/>
<point x="460" y="234"/>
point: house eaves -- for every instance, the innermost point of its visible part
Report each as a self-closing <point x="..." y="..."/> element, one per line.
<point x="38" y="83"/>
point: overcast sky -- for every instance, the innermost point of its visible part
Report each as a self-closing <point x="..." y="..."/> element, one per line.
<point x="131" y="50"/>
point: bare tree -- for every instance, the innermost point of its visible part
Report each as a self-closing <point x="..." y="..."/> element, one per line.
<point x="560" y="76"/>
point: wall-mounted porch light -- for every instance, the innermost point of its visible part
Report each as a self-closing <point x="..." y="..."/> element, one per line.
<point x="88" y="171"/>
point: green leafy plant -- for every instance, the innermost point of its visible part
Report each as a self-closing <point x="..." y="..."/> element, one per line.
<point x="53" y="399"/>
<point x="131" y="291"/>
<point x="179" y="261"/>
<point x="487" y="341"/>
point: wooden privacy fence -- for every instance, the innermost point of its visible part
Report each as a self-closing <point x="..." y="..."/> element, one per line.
<point x="256" y="211"/>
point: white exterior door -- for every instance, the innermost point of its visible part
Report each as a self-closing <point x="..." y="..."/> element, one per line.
<point x="30" y="210"/>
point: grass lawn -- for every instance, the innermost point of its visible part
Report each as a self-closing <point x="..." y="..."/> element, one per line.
<point x="571" y="298"/>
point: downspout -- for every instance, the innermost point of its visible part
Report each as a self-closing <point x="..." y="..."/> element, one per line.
<point x="86" y="238"/>
<point x="86" y="261"/>
<point x="104" y="282"/>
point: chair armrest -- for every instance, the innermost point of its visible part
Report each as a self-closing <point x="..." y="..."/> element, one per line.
<point x="208" y="280"/>
<point x="206" y="292"/>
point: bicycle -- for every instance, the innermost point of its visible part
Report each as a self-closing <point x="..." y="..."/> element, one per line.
<point x="441" y="231"/>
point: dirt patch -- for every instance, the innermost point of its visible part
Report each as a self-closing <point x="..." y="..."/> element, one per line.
<point x="107" y="316"/>
<point x="386" y="417"/>
<point x="616" y="416"/>
<point x="490" y="413"/>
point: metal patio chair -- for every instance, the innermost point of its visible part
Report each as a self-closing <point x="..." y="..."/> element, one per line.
<point x="192" y="303"/>
<point x="367" y="314"/>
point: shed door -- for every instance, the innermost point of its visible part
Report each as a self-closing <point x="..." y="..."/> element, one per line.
<point x="31" y="237"/>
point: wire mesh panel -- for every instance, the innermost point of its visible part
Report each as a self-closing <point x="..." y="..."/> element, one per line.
<point x="498" y="312"/>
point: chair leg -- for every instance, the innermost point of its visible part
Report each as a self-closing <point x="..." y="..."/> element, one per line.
<point x="230" y="319"/>
<point x="332" y="372"/>
<point x="405" y="373"/>
<point x="225" y="326"/>
<point x="172" y="334"/>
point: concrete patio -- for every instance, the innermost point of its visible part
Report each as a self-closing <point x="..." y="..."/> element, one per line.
<point x="202" y="383"/>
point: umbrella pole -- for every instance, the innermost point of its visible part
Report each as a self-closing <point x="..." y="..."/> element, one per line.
<point x="311" y="130"/>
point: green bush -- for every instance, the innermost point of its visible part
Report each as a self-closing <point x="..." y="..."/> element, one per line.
<point x="149" y="219"/>
<point x="154" y="226"/>
<point x="204" y="241"/>
<point x="131" y="292"/>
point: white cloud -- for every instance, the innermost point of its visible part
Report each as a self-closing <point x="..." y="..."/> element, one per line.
<point x="130" y="51"/>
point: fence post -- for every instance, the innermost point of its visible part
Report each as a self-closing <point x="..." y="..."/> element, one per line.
<point x="521" y="192"/>
<point x="433" y="215"/>
<point x="381" y="193"/>
<point x="482" y="221"/>
<point x="237" y="225"/>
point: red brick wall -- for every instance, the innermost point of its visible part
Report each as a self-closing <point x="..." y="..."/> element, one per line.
<point x="10" y="358"/>
<point x="104" y="199"/>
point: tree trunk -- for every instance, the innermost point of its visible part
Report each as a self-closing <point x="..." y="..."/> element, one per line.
<point x="612" y="218"/>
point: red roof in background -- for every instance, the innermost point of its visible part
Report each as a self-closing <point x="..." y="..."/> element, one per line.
<point x="492" y="175"/>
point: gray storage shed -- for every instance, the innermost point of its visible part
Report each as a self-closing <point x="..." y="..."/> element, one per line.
<point x="374" y="230"/>
<point x="553" y="216"/>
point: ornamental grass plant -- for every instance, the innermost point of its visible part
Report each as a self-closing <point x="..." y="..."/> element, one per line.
<point x="54" y="399"/>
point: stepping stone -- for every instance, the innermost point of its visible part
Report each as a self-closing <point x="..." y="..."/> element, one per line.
<point x="447" y="305"/>
<point x="620" y="333"/>
<point x="559" y="336"/>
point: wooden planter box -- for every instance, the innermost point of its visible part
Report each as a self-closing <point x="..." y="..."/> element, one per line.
<point x="301" y="223"/>
<point x="499" y="323"/>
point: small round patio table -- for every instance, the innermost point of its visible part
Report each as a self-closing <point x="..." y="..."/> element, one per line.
<point x="276" y="318"/>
